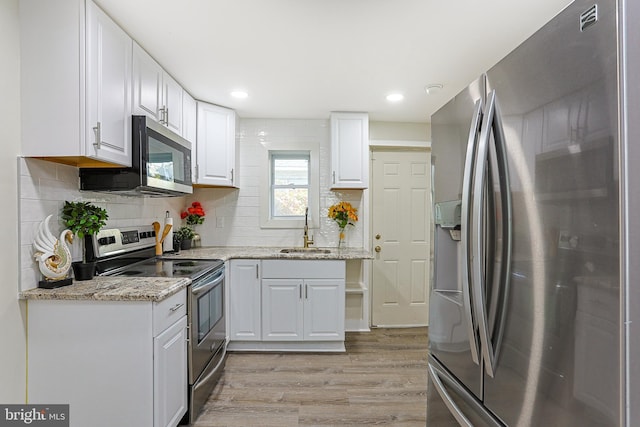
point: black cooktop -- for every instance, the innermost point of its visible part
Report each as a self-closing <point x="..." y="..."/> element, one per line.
<point x="161" y="267"/>
<point x="130" y="251"/>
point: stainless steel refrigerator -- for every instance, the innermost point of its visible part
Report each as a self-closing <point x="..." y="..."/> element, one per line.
<point x="528" y="308"/>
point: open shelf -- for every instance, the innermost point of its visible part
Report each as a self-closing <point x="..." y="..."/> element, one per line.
<point x="357" y="295"/>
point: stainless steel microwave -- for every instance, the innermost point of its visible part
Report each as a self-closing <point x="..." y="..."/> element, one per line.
<point x="160" y="166"/>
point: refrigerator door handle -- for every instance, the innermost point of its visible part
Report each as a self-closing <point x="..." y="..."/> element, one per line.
<point x="467" y="280"/>
<point x="506" y="213"/>
<point x="451" y="405"/>
<point x="492" y="122"/>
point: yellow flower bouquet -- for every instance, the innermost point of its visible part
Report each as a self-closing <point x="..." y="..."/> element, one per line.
<point x="344" y="214"/>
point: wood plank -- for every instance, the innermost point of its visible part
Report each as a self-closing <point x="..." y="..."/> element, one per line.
<point x="380" y="380"/>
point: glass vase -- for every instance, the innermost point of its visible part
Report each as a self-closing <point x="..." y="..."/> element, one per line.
<point x="341" y="239"/>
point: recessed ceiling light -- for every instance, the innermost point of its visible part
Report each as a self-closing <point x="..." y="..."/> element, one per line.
<point x="433" y="88"/>
<point x="240" y="94"/>
<point x="395" y="97"/>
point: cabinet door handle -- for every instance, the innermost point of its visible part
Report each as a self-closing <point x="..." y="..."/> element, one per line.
<point x="162" y="115"/>
<point x="232" y="176"/>
<point x="306" y="291"/>
<point x="334" y="176"/>
<point x="300" y="291"/>
<point x="176" y="307"/>
<point x="98" y="131"/>
<point x="257" y="272"/>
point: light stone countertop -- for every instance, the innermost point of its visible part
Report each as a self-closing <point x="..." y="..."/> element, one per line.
<point x="226" y="253"/>
<point x="123" y="288"/>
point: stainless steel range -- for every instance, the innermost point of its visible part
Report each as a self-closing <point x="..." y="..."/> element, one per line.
<point x="130" y="251"/>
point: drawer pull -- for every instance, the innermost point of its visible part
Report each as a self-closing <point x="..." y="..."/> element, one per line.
<point x="176" y="307"/>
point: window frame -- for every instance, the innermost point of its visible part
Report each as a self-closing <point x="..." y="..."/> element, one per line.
<point x="297" y="222"/>
<point x="275" y="155"/>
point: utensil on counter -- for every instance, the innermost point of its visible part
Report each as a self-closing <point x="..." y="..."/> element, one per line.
<point x="160" y="239"/>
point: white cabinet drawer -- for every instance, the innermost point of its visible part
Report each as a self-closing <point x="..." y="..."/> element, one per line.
<point x="168" y="311"/>
<point x="303" y="269"/>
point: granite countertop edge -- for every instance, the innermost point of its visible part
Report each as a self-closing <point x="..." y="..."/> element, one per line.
<point x="155" y="289"/>
<point x="120" y="288"/>
<point x="226" y="253"/>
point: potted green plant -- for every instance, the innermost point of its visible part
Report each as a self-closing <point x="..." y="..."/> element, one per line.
<point x="185" y="234"/>
<point x="84" y="220"/>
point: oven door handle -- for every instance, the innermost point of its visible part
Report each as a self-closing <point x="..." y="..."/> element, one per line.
<point x="205" y="287"/>
<point x="202" y="381"/>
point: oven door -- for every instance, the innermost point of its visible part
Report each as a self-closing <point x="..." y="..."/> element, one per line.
<point x="207" y="321"/>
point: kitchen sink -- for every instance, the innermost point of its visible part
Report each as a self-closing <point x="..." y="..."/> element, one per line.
<point x="305" y="251"/>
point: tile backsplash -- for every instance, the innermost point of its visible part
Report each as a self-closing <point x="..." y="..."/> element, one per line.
<point x="232" y="215"/>
<point x="43" y="188"/>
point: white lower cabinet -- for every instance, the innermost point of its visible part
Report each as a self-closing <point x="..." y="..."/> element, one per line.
<point x="282" y="311"/>
<point x="282" y="305"/>
<point x="170" y="384"/>
<point x="244" y="300"/>
<point x="114" y="362"/>
<point x="324" y="301"/>
<point x="303" y="309"/>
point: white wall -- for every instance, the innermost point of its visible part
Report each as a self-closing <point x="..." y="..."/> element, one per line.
<point x="397" y="131"/>
<point x="12" y="329"/>
<point x="233" y="214"/>
<point x="44" y="186"/>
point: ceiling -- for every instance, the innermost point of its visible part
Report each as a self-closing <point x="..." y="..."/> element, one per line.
<point x="305" y="58"/>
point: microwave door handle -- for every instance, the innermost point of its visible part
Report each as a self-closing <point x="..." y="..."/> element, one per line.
<point x="467" y="281"/>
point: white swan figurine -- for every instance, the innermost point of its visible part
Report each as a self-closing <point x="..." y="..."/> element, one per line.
<point x="53" y="255"/>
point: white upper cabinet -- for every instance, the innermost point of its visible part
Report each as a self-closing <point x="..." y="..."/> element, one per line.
<point x="189" y="119"/>
<point x="349" y="150"/>
<point x="108" y="88"/>
<point x="75" y="84"/>
<point x="216" y="160"/>
<point x="155" y="93"/>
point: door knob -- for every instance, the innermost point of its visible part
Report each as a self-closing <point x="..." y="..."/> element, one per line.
<point x="378" y="237"/>
<point x="377" y="248"/>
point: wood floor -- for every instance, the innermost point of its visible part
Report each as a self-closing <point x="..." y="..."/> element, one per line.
<point x="380" y="380"/>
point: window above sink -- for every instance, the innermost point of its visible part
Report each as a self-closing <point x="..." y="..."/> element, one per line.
<point x="290" y="184"/>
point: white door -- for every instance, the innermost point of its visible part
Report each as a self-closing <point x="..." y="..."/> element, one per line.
<point x="147" y="84"/>
<point x="216" y="145"/>
<point x="172" y="103"/>
<point x="108" y="89"/>
<point x="324" y="309"/>
<point x="282" y="307"/>
<point x="170" y="375"/>
<point x="244" y="300"/>
<point x="401" y="200"/>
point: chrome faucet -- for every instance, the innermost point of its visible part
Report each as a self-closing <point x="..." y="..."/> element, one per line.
<point x="307" y="241"/>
